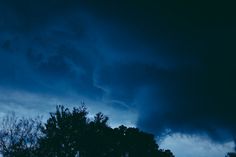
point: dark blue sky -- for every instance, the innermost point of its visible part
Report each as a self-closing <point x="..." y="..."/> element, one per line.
<point x="156" y="65"/>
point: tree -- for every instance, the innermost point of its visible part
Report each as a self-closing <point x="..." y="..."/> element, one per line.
<point x="135" y="143"/>
<point x="64" y="132"/>
<point x="19" y="136"/>
<point x="165" y="153"/>
<point x="99" y="137"/>
<point x="68" y="132"/>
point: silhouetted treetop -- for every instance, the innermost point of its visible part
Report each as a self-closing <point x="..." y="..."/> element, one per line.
<point x="68" y="132"/>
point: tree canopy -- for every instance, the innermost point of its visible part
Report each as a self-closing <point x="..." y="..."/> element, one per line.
<point x="68" y="132"/>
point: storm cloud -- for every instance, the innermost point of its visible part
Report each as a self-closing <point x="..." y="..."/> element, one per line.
<point x="172" y="63"/>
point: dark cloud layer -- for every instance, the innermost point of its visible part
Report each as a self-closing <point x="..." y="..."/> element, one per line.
<point x="173" y="61"/>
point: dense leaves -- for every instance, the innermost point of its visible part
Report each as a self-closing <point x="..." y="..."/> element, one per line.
<point x="68" y="132"/>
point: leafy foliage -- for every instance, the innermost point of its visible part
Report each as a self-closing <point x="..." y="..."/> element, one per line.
<point x="64" y="132"/>
<point x="67" y="132"/>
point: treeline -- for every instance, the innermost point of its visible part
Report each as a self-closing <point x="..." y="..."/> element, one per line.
<point x="69" y="132"/>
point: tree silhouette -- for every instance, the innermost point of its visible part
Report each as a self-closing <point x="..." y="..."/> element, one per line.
<point x="64" y="132"/>
<point x="135" y="143"/>
<point x="68" y="132"/>
<point x="99" y="137"/>
<point x="19" y="136"/>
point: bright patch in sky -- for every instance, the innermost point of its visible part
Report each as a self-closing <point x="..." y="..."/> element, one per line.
<point x="195" y="146"/>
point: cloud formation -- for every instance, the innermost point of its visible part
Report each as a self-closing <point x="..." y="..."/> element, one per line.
<point x="172" y="64"/>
